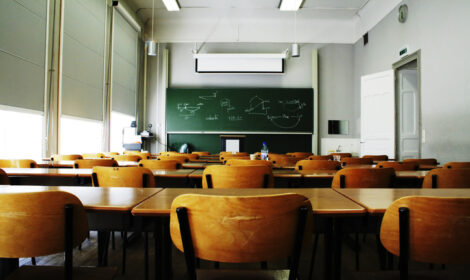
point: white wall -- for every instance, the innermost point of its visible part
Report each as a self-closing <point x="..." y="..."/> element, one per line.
<point x="440" y="29"/>
<point x="336" y="66"/>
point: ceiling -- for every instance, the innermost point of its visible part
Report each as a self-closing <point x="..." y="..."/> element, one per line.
<point x="318" y="21"/>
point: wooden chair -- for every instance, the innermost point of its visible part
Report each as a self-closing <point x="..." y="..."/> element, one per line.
<point x="398" y="166"/>
<point x="243" y="162"/>
<point x="93" y="156"/>
<point x="192" y="156"/>
<point x="18" y="163"/>
<point x="301" y="155"/>
<point x="135" y="158"/>
<point x="65" y="157"/>
<point x="325" y="157"/>
<point x="181" y="159"/>
<point x="424" y="161"/>
<point x="376" y="157"/>
<point x="454" y="164"/>
<point x="237" y="229"/>
<point x="44" y="223"/>
<point x="160" y="164"/>
<point x="447" y="178"/>
<point x="224" y="157"/>
<point x="317" y="165"/>
<point x="230" y="153"/>
<point x="342" y="155"/>
<point x="364" y="178"/>
<point x="222" y="176"/>
<point x="282" y="160"/>
<point x="354" y="161"/>
<point x="90" y="163"/>
<point x="201" y="153"/>
<point x="4" y="180"/>
<point x="427" y="229"/>
<point x="133" y="177"/>
<point x="111" y="154"/>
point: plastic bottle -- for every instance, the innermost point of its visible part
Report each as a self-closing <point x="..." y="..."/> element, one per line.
<point x="264" y="152"/>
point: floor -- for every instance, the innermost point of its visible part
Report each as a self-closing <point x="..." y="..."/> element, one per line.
<point x="87" y="256"/>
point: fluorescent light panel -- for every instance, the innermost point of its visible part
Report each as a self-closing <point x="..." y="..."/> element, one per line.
<point x="171" y="5"/>
<point x="290" y="5"/>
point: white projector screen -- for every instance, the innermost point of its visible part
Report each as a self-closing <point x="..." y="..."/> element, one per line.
<point x="239" y="64"/>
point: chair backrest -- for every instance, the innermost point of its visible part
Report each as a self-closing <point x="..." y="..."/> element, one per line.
<point x="438" y="229"/>
<point x="160" y="164"/>
<point x="93" y="156"/>
<point x="325" y="157"/>
<point x="169" y="153"/>
<point x="457" y="164"/>
<point x="317" y="165"/>
<point x="237" y="153"/>
<point x="301" y="155"/>
<point x="111" y="154"/>
<point x="280" y="159"/>
<point x="223" y="176"/>
<point x="238" y="162"/>
<point x="4" y="180"/>
<point x="427" y="161"/>
<point x="447" y="178"/>
<point x="135" y="158"/>
<point x="181" y="159"/>
<point x="133" y="177"/>
<point x="33" y="224"/>
<point x="398" y="166"/>
<point x="364" y="178"/>
<point x="228" y="156"/>
<point x="65" y="157"/>
<point x="376" y="157"/>
<point x="239" y="229"/>
<point x="351" y="160"/>
<point x="90" y="163"/>
<point x="145" y="155"/>
<point x="342" y="155"/>
<point x="201" y="153"/>
<point x="192" y="156"/>
<point x="18" y="163"/>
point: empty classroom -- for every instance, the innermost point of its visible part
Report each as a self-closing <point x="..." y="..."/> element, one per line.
<point x="234" y="139"/>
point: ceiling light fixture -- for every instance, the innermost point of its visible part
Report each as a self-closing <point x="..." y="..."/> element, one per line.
<point x="151" y="44"/>
<point x="295" y="51"/>
<point x="171" y="5"/>
<point x="289" y="5"/>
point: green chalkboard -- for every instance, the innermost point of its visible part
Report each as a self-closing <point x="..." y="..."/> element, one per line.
<point x="239" y="109"/>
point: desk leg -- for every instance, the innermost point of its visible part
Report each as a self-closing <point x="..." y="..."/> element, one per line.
<point x="103" y="244"/>
<point x="328" y="247"/>
<point x="158" y="248"/>
<point x="337" y="248"/>
<point x="166" y="249"/>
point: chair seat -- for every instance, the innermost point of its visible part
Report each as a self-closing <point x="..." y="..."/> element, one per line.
<point x="57" y="272"/>
<point x="226" y="274"/>
<point x="414" y="275"/>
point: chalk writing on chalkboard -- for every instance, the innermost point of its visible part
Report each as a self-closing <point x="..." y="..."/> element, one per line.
<point x="292" y="105"/>
<point x="285" y="121"/>
<point x="235" y="118"/>
<point x="187" y="111"/>
<point x="257" y="106"/>
<point x="207" y="97"/>
<point x="226" y="104"/>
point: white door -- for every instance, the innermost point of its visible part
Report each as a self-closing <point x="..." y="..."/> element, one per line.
<point x="408" y="114"/>
<point x="378" y="114"/>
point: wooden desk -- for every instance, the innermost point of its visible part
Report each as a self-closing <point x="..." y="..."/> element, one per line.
<point x="329" y="207"/>
<point x="172" y="178"/>
<point x="69" y="164"/>
<point x="107" y="208"/>
<point x="199" y="165"/>
<point x="376" y="201"/>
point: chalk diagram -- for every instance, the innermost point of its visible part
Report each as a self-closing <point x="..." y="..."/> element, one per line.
<point x="235" y="118"/>
<point x="226" y="104"/>
<point x="186" y="111"/>
<point x="258" y="106"/>
<point x="292" y="105"/>
<point x="208" y="97"/>
<point x="285" y="121"/>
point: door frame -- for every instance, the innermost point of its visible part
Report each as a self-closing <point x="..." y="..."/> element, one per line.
<point x="416" y="56"/>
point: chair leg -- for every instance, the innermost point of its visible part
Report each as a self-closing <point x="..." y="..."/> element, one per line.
<point x="146" y="256"/>
<point x="33" y="261"/>
<point x="124" y="249"/>
<point x="312" y="259"/>
<point x="264" y="265"/>
<point x="381" y="252"/>
<point x="357" y="251"/>
<point x="216" y="265"/>
<point x="113" y="245"/>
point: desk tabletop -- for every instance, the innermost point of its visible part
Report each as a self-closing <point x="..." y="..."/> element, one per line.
<point x="324" y="201"/>
<point x="96" y="199"/>
<point x="277" y="173"/>
<point x="199" y="165"/>
<point x="50" y="172"/>
<point x="178" y="173"/>
<point x="69" y="164"/>
<point x="376" y="201"/>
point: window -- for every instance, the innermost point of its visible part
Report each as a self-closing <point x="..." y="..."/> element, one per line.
<point x="79" y="135"/>
<point x="118" y="122"/>
<point x="20" y="133"/>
